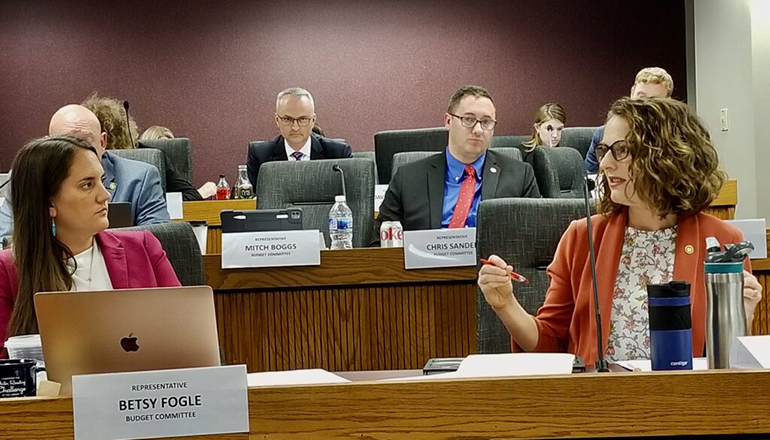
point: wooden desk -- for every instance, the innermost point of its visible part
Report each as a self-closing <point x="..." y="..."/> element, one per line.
<point x="723" y="207"/>
<point x="613" y="405"/>
<point x="359" y="310"/>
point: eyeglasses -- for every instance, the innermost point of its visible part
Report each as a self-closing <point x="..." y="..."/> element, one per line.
<point x="619" y="150"/>
<point x="303" y="121"/>
<point x="471" y="121"/>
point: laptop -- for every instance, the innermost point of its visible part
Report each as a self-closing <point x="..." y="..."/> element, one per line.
<point x="119" y="215"/>
<point x="126" y="330"/>
<point x="262" y="220"/>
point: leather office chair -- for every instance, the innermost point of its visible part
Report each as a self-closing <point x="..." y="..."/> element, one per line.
<point x="147" y="155"/>
<point x="524" y="233"/>
<point x="312" y="185"/>
<point x="559" y="172"/>
<point x="578" y="138"/>
<point x="388" y="143"/>
<point x="182" y="250"/>
<point x="178" y="151"/>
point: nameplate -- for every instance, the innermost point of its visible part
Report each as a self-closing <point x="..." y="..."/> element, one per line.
<point x="174" y="205"/>
<point x="440" y="248"/>
<point x="750" y="352"/>
<point x="168" y="403"/>
<point x="379" y="196"/>
<point x="754" y="231"/>
<point x="270" y="249"/>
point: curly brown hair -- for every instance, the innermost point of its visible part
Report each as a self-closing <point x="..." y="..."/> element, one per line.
<point x="112" y="116"/>
<point x="674" y="167"/>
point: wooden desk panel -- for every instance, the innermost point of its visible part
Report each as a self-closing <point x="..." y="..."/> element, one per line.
<point x="614" y="405"/>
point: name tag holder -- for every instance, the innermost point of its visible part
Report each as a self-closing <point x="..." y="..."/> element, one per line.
<point x="440" y="248"/>
<point x="270" y="249"/>
<point x="167" y="403"/>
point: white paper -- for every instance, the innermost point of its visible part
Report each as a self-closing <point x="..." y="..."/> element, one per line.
<point x="379" y="196"/>
<point x="2" y="201"/>
<point x="174" y="205"/>
<point x="515" y="364"/>
<point x="754" y="231"/>
<point x="440" y="248"/>
<point x="271" y="249"/>
<point x="751" y="352"/>
<point x="167" y="403"/>
<point x="294" y="377"/>
<point x="646" y="364"/>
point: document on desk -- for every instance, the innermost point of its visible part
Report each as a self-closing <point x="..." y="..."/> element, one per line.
<point x="295" y="377"/>
<point x="515" y="364"/>
<point x="751" y="352"/>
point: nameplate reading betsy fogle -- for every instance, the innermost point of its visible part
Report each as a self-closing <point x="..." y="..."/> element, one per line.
<point x="167" y="403"/>
<point x="440" y="248"/>
<point x="269" y="249"/>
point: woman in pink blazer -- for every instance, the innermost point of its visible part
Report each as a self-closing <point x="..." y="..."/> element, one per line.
<point x="60" y="215"/>
<point x="659" y="171"/>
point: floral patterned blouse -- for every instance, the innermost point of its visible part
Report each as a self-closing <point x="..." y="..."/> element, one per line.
<point x="647" y="258"/>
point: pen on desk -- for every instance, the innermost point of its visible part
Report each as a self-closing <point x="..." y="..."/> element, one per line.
<point x="514" y="275"/>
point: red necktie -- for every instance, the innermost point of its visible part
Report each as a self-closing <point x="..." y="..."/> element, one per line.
<point x="465" y="199"/>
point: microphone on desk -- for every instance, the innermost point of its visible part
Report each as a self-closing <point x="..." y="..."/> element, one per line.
<point x="601" y="364"/>
<point x="128" y="125"/>
<point x="337" y="169"/>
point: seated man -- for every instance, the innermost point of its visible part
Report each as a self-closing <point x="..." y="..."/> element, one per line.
<point x="444" y="191"/>
<point x="125" y="180"/>
<point x="295" y="118"/>
<point x="650" y="82"/>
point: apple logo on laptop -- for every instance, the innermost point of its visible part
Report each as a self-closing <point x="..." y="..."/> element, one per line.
<point x="129" y="343"/>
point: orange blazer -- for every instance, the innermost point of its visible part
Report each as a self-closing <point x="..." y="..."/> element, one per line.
<point x="566" y="321"/>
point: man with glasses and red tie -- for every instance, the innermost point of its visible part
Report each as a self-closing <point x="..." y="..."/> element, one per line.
<point x="444" y="190"/>
<point x="294" y="117"/>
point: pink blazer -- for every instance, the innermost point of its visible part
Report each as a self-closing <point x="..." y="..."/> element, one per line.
<point x="134" y="259"/>
<point x="566" y="319"/>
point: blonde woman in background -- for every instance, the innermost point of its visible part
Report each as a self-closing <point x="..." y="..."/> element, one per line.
<point x="546" y="131"/>
<point x="112" y="117"/>
<point x="156" y="132"/>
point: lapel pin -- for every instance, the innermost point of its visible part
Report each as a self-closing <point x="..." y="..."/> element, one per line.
<point x="113" y="185"/>
<point x="493" y="169"/>
<point x="689" y="249"/>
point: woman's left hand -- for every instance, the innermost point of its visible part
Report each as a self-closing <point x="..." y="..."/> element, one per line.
<point x="752" y="293"/>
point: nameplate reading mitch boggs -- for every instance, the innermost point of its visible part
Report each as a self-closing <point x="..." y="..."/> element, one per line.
<point x="270" y="249"/>
<point x="167" y="403"/>
<point x="440" y="248"/>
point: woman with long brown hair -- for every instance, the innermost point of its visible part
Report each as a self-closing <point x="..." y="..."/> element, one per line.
<point x="546" y="131"/>
<point x="59" y="243"/>
<point x="659" y="171"/>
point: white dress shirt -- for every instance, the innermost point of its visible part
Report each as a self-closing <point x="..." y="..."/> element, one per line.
<point x="305" y="150"/>
<point x="90" y="265"/>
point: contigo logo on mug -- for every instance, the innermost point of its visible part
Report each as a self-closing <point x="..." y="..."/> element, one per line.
<point x="679" y="363"/>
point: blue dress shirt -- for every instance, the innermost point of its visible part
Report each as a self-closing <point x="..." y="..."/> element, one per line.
<point x="455" y="175"/>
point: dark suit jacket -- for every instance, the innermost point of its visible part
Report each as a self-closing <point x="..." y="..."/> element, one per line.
<point x="268" y="151"/>
<point x="415" y="196"/>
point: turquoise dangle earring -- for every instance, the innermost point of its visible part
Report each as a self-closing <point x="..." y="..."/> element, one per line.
<point x="53" y="227"/>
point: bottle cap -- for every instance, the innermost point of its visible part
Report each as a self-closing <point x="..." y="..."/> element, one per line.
<point x="727" y="267"/>
<point x="339" y="199"/>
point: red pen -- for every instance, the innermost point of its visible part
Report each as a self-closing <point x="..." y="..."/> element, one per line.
<point x="514" y="275"/>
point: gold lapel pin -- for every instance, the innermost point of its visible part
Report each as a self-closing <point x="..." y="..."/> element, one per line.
<point x="689" y="249"/>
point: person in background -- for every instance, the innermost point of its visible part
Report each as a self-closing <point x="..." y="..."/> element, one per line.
<point x="658" y="171"/>
<point x="650" y="82"/>
<point x="59" y="209"/>
<point x="112" y="116"/>
<point x="155" y="132"/>
<point x="295" y="117"/>
<point x="444" y="190"/>
<point x="126" y="180"/>
<point x="546" y="131"/>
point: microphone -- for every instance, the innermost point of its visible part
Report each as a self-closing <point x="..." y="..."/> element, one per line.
<point x="602" y="366"/>
<point x="128" y="125"/>
<point x="337" y="169"/>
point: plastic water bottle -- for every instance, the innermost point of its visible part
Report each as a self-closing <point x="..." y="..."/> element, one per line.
<point x="341" y="224"/>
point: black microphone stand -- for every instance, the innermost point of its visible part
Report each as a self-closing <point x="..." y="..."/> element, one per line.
<point x="602" y="366"/>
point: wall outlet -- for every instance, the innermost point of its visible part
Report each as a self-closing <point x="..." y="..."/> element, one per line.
<point x="724" y="122"/>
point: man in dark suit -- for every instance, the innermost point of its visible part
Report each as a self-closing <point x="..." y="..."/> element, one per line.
<point x="444" y="191"/>
<point x="294" y="117"/>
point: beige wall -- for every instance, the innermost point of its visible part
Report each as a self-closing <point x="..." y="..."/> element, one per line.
<point x="724" y="71"/>
<point x="760" y="51"/>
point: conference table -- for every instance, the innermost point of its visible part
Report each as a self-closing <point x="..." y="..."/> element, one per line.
<point x="673" y="405"/>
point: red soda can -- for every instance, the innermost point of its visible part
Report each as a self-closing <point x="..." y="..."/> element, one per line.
<point x="391" y="234"/>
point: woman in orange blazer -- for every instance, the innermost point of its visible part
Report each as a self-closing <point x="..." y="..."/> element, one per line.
<point x="662" y="171"/>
